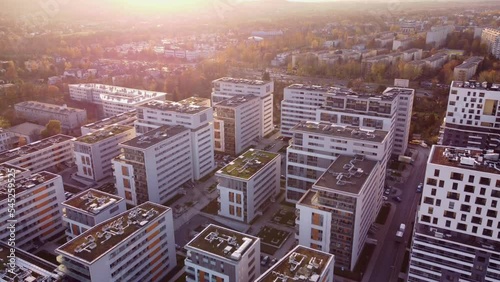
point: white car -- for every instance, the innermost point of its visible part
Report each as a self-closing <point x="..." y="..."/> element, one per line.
<point x="384" y="198"/>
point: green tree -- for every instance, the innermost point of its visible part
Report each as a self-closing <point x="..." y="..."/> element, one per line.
<point x="52" y="128"/>
<point x="266" y="76"/>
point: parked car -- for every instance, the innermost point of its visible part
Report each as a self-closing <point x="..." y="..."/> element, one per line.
<point x="384" y="198"/>
<point x="387" y="191"/>
<point x="264" y="261"/>
<point x="397" y="199"/>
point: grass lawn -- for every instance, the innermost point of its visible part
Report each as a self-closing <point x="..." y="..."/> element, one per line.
<point x="284" y="216"/>
<point x="272" y="236"/>
<point x="47" y="256"/>
<point x="170" y="202"/>
<point x="360" y="268"/>
<point x="212" y="207"/>
<point x="382" y="214"/>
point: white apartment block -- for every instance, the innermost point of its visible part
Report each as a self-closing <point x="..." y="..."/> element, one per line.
<point x="472" y="117"/>
<point x="438" y="34"/>
<point x="153" y="166"/>
<point x="127" y="118"/>
<point x="193" y="113"/>
<point x="457" y="230"/>
<point x="112" y="100"/>
<point x="94" y="151"/>
<point x="89" y="208"/>
<point x="42" y="113"/>
<point x="306" y="263"/>
<point x="315" y="145"/>
<point x="41" y="155"/>
<point x="336" y="214"/>
<point x="27" y="267"/>
<point x="248" y="185"/>
<point x="491" y="37"/>
<point x="7" y="140"/>
<point x="227" y="87"/>
<point x="389" y="111"/>
<point x="137" y="245"/>
<point x="37" y="213"/>
<point x="467" y="69"/>
<point x="222" y="255"/>
<point x="237" y="124"/>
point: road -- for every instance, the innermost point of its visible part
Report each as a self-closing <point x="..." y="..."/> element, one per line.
<point x="390" y="260"/>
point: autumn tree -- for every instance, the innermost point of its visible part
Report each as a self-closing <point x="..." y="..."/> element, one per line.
<point x="11" y="72"/>
<point x="52" y="128"/>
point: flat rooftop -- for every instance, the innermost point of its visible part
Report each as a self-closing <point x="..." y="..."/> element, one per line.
<point x="483" y="161"/>
<point x="336" y="91"/>
<point x="26" y="183"/>
<point x="103" y="134"/>
<point x="92" y="201"/>
<point x="118" y="90"/>
<point x="342" y="131"/>
<point x="241" y="81"/>
<point x="195" y="101"/>
<point x="222" y="242"/>
<point x="236" y="101"/>
<point x="247" y="164"/>
<point x="48" y="107"/>
<point x="28" y="267"/>
<point x="34" y="147"/>
<point x="346" y="174"/>
<point x="126" y="118"/>
<point x="7" y="169"/>
<point x="178" y="107"/>
<point x="155" y="136"/>
<point x="412" y="50"/>
<point x="399" y="90"/>
<point x="300" y="264"/>
<point x="104" y="237"/>
<point x="472" y="84"/>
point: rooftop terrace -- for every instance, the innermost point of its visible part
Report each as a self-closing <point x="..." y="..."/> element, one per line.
<point x="178" y="107"/>
<point x="92" y="201"/>
<point x="241" y="81"/>
<point x="222" y="242"/>
<point x="247" y="164"/>
<point x="300" y="264"/>
<point x="48" y="107"/>
<point x="472" y="84"/>
<point x="342" y="131"/>
<point x="103" y="134"/>
<point x="335" y="91"/>
<point x="26" y="183"/>
<point x="236" y="101"/>
<point x="127" y="118"/>
<point x="155" y="136"/>
<point x="104" y="237"/>
<point x="195" y="101"/>
<point x="484" y="161"/>
<point x="55" y="140"/>
<point x="346" y="174"/>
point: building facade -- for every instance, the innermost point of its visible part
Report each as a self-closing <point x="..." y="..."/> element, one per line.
<point x="192" y="113"/>
<point x="336" y="214"/>
<point x="153" y="166"/>
<point x="37" y="213"/>
<point x="471" y="116"/>
<point x="137" y="245"/>
<point x="456" y="231"/>
<point x="94" y="151"/>
<point x="222" y="255"/>
<point x="8" y="140"/>
<point x="491" y="37"/>
<point x="88" y="208"/>
<point x="467" y="69"/>
<point x="126" y="118"/>
<point x="42" y="113"/>
<point x="248" y="184"/>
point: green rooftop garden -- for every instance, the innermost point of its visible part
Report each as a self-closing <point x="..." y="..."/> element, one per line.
<point x="247" y="164"/>
<point x="105" y="133"/>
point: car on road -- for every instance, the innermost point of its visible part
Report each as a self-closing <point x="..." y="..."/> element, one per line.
<point x="384" y="198"/>
<point x="420" y="187"/>
<point x="397" y="199"/>
<point x="264" y="261"/>
<point x="387" y="191"/>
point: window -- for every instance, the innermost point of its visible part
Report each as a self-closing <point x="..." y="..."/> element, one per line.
<point x="433" y="192"/>
<point x="461" y="226"/>
<point x="426" y="218"/>
<point x="469" y="188"/>
<point x="448" y="223"/>
<point x="465" y="208"/>
<point x="453" y="196"/>
<point x="476" y="220"/>
<point x="238" y="198"/>
<point x="441" y="183"/>
<point x="478" y="210"/>
<point x="467" y="198"/>
<point x="436" y="172"/>
<point x="491" y="213"/>
<point x="231" y="197"/>
<point x="484" y="181"/>
<point x="125" y="171"/>
<point x="457" y="176"/>
<point x="231" y="209"/>
<point x="449" y="214"/>
<point x="430" y="210"/>
<point x="454" y="186"/>
<point x="438" y="202"/>
<point x="431" y="181"/>
<point x="480" y="201"/>
<point x="482" y="191"/>
<point x="429" y="200"/>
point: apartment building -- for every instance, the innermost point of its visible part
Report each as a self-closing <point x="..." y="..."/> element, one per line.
<point x="37" y="213"/>
<point x="336" y="214"/>
<point x="153" y="166"/>
<point x="192" y="113"/>
<point x="248" y="184"/>
<point x="471" y="117"/>
<point x="438" y="34"/>
<point x="491" y="37"/>
<point x="412" y="54"/>
<point x="94" y="151"/>
<point x="126" y="118"/>
<point x="88" y="208"/>
<point x="467" y="69"/>
<point x="306" y="263"/>
<point x="456" y="235"/>
<point x="315" y="145"/>
<point x="112" y="100"/>
<point x="8" y="140"/>
<point x="137" y="245"/>
<point x="41" y="155"/>
<point x="27" y="267"/>
<point x="436" y="61"/>
<point x="42" y="113"/>
<point x="222" y="255"/>
<point x="227" y="87"/>
<point x="236" y="124"/>
<point x="389" y="111"/>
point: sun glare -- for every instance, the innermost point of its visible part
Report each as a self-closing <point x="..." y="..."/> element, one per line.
<point x="173" y="5"/>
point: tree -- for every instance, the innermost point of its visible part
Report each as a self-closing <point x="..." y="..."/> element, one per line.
<point x="11" y="72"/>
<point x="52" y="128"/>
<point x="266" y="76"/>
<point x="4" y="123"/>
